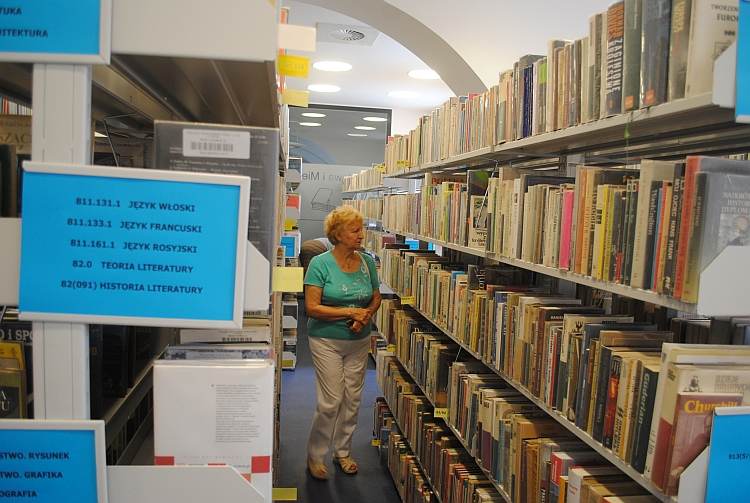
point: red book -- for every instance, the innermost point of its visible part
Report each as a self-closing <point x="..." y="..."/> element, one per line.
<point x="610" y="409"/>
<point x="566" y="228"/>
<point x="692" y="431"/>
<point x="661" y="238"/>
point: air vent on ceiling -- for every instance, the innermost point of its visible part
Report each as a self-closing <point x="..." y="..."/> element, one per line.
<point x="346" y="34"/>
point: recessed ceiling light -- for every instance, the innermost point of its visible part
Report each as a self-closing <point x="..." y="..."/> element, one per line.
<point x="403" y="94"/>
<point x="356" y="134"/>
<point x="365" y="128"/>
<point x="312" y="114"/>
<point x="375" y="119"/>
<point x="97" y="134"/>
<point x="424" y="74"/>
<point x="332" y="66"/>
<point x="323" y="88"/>
<point x="310" y="124"/>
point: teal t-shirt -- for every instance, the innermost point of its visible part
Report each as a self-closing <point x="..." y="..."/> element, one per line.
<point x="341" y="289"/>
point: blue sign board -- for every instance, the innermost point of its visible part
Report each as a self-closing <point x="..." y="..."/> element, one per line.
<point x="729" y="457"/>
<point x="742" y="105"/>
<point x="288" y="243"/>
<point x="144" y="251"/>
<point x="48" y="466"/>
<point x="70" y="31"/>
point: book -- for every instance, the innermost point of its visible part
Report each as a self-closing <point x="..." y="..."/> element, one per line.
<point x="631" y="76"/>
<point x="655" y="22"/>
<point x="12" y="393"/>
<point x="615" y="57"/>
<point x="692" y="430"/>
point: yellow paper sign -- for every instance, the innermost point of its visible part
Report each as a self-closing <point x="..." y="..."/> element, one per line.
<point x="294" y="66"/>
<point x="441" y="412"/>
<point x="295" y="97"/>
<point x="407" y="301"/>
<point x="284" y="494"/>
<point x="402" y="164"/>
<point x="287" y="279"/>
<point x="375" y="442"/>
<point x="391" y="348"/>
<point x="289" y="224"/>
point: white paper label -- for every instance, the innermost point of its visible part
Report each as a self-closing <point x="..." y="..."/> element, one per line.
<point x="210" y="143"/>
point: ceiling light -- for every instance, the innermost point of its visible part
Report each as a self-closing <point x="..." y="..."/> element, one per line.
<point x="424" y="74"/>
<point x="365" y="128"/>
<point x="312" y="114"/>
<point x="323" y="88"/>
<point x="375" y="119"/>
<point x="97" y="134"/>
<point x="332" y="66"/>
<point x="310" y="124"/>
<point x="356" y="134"/>
<point x="403" y="94"/>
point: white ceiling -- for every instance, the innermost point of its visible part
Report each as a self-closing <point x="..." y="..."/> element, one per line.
<point x="490" y="35"/>
<point x="377" y="69"/>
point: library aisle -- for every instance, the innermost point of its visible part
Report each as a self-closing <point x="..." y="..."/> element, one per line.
<point x="373" y="483"/>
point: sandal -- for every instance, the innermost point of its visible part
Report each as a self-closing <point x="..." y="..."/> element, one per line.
<point x="317" y="470"/>
<point x="347" y="464"/>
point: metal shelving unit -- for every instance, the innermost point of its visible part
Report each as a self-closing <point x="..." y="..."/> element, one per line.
<point x="582" y="435"/>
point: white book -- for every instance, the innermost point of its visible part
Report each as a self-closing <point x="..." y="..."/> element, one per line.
<point x="216" y="413"/>
<point x="576" y="476"/>
<point x="713" y="28"/>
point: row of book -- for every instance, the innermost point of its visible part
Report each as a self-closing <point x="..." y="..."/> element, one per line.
<point x="638" y="53"/>
<point x="371" y="208"/>
<point x="455" y="477"/>
<point x="532" y="457"/>
<point x="375" y="241"/>
<point x="654" y="226"/>
<point x="365" y="179"/>
<point x="596" y="369"/>
<point x="10" y="107"/>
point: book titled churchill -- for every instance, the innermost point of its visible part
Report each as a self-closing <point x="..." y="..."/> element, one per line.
<point x="228" y="150"/>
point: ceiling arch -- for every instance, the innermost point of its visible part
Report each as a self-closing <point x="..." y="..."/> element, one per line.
<point x="415" y="36"/>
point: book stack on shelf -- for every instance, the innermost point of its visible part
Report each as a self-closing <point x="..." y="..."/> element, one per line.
<point x="370" y="208"/>
<point x="610" y="375"/>
<point x="637" y="54"/>
<point x="11" y="107"/>
<point x="367" y="179"/>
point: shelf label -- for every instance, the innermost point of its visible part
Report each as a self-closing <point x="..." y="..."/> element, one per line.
<point x="391" y="348"/>
<point x="48" y="462"/>
<point x="402" y="164"/>
<point x="294" y="66"/>
<point x="34" y="31"/>
<point x="295" y="97"/>
<point x="440" y="412"/>
<point x="133" y="246"/>
<point x="742" y="102"/>
<point x="216" y="143"/>
<point x="287" y="279"/>
<point x="407" y="301"/>
<point x="375" y="442"/>
<point x="729" y="457"/>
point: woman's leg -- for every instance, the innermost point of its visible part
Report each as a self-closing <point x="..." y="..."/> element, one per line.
<point x="329" y="372"/>
<point x="355" y="366"/>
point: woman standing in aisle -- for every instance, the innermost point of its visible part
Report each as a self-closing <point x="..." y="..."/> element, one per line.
<point x="342" y="293"/>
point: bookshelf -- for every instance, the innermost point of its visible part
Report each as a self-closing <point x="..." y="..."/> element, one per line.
<point x="616" y="288"/>
<point x="579" y="433"/>
<point x="381" y="188"/>
<point x="416" y="456"/>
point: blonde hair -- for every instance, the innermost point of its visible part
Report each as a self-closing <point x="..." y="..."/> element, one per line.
<point x="338" y="218"/>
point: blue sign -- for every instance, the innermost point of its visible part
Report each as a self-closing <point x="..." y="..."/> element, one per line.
<point x="55" y="30"/>
<point x="729" y="457"/>
<point x="48" y="466"/>
<point x="128" y="247"/>
<point x="742" y="104"/>
<point x="288" y="242"/>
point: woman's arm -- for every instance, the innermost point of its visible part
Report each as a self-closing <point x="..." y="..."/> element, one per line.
<point x="314" y="308"/>
<point x="374" y="304"/>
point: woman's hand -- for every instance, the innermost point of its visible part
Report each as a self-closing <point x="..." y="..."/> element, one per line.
<point x="360" y="315"/>
<point x="357" y="327"/>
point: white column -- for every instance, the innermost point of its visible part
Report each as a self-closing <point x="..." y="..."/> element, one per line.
<point x="61" y="132"/>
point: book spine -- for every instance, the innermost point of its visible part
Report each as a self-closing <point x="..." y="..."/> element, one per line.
<point x="566" y="229"/>
<point x="631" y="79"/>
<point x="605" y="361"/>
<point x="688" y="199"/>
<point x="666" y="209"/>
<point x="615" y="54"/>
<point x="651" y="230"/>
<point x="693" y="264"/>
<point x="610" y="410"/>
<point x="655" y="51"/>
<point x="644" y="412"/>
<point x="679" y="40"/>
<point x="630" y="233"/>
<point x="674" y="236"/>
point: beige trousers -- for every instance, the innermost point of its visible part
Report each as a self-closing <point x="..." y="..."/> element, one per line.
<point x="340" y="370"/>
